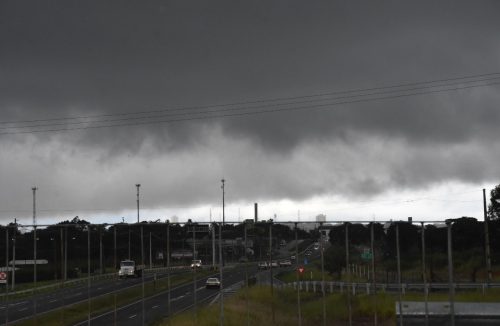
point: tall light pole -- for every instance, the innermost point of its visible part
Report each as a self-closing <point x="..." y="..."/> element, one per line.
<point x="223" y="203"/>
<point x="34" y="204"/>
<point x="138" y="186"/>
<point x="34" y="250"/>
<point x="487" y="239"/>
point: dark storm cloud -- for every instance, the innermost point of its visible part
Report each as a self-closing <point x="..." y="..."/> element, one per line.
<point x="68" y="58"/>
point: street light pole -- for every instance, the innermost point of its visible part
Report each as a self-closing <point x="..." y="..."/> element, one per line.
<point x="223" y="202"/>
<point x="138" y="186"/>
<point x="487" y="238"/>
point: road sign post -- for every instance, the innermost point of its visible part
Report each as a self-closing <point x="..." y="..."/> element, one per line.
<point x="3" y="278"/>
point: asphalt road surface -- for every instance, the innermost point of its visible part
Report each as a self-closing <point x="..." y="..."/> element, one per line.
<point x="182" y="298"/>
<point x="24" y="308"/>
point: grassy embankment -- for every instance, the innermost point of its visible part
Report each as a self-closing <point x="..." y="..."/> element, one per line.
<point x="285" y="306"/>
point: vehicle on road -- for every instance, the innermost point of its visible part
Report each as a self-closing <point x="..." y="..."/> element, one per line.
<point x="308" y="253"/>
<point x="285" y="263"/>
<point x="316" y="246"/>
<point x="262" y="265"/>
<point x="274" y="264"/>
<point x="128" y="268"/>
<point x="212" y="282"/>
<point x="196" y="263"/>
<point x="292" y="258"/>
<point x="282" y="243"/>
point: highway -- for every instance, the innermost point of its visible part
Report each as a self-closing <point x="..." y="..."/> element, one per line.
<point x="131" y="314"/>
<point x="181" y="299"/>
<point x="24" y="308"/>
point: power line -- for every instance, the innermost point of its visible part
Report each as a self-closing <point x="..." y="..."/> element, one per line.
<point x="245" y="108"/>
<point x="464" y="78"/>
<point x="232" y="114"/>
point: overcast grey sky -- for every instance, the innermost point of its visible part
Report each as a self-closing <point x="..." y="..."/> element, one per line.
<point x="67" y="59"/>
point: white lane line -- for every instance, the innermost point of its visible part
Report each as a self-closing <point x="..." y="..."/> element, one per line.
<point x="23" y="309"/>
<point x="200" y="288"/>
<point x="99" y="288"/>
<point x="154" y="307"/>
<point x="178" y="298"/>
<point x="52" y="300"/>
<point x="133" y="316"/>
<point x="18" y="303"/>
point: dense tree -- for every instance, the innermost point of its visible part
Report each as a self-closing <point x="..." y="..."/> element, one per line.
<point x="494" y="205"/>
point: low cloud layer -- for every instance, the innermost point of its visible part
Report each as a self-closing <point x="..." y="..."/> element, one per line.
<point x="63" y="60"/>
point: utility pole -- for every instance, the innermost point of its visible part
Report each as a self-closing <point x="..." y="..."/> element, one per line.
<point x="129" y="242"/>
<point x="424" y="277"/>
<point x="374" y="278"/>
<point x="88" y="275"/>
<point x="398" y="257"/>
<point x="7" y="264"/>
<point x="246" y="276"/>
<point x="168" y="271"/>
<point x="221" y="288"/>
<point x="450" y="275"/>
<point x="34" y="204"/>
<point x="487" y="238"/>
<point x="322" y="272"/>
<point x="14" y="256"/>
<point x="65" y="253"/>
<point x="299" y="314"/>
<point x="223" y="202"/>
<point x="34" y="251"/>
<point x="150" y="253"/>
<point x="348" y="270"/>
<point x="138" y="186"/>
<point x="114" y="246"/>
<point x="142" y="272"/>
<point x="271" y="266"/>
<point x="100" y="250"/>
<point x="214" y="229"/>
<point x="194" y="273"/>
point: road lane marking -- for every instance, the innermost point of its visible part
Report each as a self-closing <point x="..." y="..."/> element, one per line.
<point x="154" y="307"/>
<point x="23" y="309"/>
<point x="18" y="303"/>
<point x="133" y="316"/>
<point x="52" y="300"/>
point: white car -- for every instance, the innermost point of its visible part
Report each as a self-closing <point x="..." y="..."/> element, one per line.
<point x="212" y="282"/>
<point x="285" y="263"/>
<point x="196" y="263"/>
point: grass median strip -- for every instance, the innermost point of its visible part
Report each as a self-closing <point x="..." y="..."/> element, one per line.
<point x="78" y="312"/>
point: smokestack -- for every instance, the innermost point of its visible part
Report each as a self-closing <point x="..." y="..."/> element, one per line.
<point x="256" y="210"/>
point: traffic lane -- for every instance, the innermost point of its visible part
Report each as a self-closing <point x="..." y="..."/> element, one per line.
<point x="181" y="299"/>
<point x="204" y="296"/>
<point x="132" y="313"/>
<point x="24" y="309"/>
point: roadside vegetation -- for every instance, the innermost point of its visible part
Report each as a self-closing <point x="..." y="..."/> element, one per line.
<point x="284" y="301"/>
<point x="261" y="303"/>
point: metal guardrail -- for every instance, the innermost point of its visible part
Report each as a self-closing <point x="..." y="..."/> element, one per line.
<point x="366" y="287"/>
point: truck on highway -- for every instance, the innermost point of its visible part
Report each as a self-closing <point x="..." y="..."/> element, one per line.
<point x="128" y="268"/>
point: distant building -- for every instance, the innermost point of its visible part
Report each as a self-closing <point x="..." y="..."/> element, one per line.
<point x="321" y="218"/>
